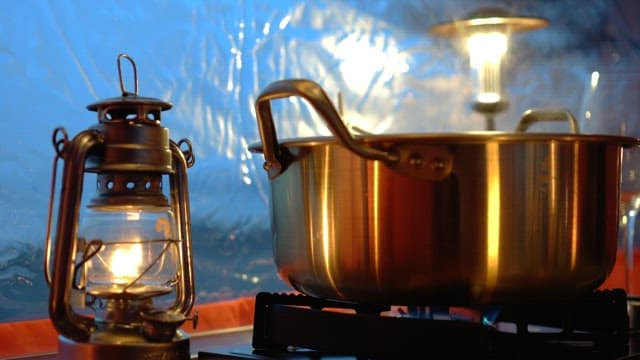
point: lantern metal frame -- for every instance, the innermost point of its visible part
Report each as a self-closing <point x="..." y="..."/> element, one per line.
<point x="127" y="146"/>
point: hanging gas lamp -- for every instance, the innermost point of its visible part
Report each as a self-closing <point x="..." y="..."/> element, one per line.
<point x="486" y="33"/>
<point x="116" y="266"/>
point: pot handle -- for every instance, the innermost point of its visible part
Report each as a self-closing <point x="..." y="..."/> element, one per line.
<point x="532" y="116"/>
<point x="277" y="158"/>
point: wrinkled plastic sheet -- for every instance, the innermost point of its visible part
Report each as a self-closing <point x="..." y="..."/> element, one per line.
<point x="211" y="59"/>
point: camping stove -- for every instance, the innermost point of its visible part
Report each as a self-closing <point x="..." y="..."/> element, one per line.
<point x="296" y="326"/>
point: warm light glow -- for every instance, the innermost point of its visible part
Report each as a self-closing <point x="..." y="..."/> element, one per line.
<point x="493" y="212"/>
<point x="486" y="48"/>
<point x="327" y="220"/>
<point x="376" y="203"/>
<point x="368" y="64"/>
<point x="595" y="77"/>
<point x="488" y="98"/>
<point x="587" y="114"/>
<point x="125" y="263"/>
<point x="366" y="60"/>
<point x="575" y="236"/>
<point x="133" y="216"/>
<point x="486" y="52"/>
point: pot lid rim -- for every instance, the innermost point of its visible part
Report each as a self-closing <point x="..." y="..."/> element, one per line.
<point x="461" y="138"/>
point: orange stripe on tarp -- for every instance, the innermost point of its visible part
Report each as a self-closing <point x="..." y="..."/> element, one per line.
<point x="621" y="273"/>
<point x="40" y="337"/>
<point x="223" y="315"/>
<point x="27" y="337"/>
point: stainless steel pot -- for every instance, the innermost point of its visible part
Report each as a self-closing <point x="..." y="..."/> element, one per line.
<point x="464" y="218"/>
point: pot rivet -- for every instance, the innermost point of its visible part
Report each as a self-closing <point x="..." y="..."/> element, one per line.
<point x="415" y="160"/>
<point x="437" y="165"/>
<point x="267" y="165"/>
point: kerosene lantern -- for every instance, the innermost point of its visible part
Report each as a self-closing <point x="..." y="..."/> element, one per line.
<point x="486" y="33"/>
<point x="122" y="279"/>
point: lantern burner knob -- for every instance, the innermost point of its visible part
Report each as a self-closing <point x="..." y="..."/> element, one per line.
<point x="160" y="325"/>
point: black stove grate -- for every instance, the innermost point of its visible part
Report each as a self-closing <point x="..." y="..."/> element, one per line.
<point x="595" y="327"/>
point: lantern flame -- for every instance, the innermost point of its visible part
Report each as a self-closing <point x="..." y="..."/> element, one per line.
<point x="125" y="264"/>
<point x="486" y="52"/>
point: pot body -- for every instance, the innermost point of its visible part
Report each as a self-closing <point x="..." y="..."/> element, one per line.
<point x="472" y="218"/>
<point x="513" y="221"/>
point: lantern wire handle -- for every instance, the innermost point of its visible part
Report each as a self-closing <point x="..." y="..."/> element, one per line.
<point x="189" y="156"/>
<point x="60" y="140"/>
<point x="135" y="75"/>
<point x="92" y="249"/>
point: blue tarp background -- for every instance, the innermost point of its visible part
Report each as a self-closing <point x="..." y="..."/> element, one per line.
<point x="211" y="58"/>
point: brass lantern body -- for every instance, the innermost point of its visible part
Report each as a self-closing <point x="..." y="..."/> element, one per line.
<point x="131" y="153"/>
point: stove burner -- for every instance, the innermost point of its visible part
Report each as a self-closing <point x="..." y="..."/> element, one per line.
<point x="303" y="327"/>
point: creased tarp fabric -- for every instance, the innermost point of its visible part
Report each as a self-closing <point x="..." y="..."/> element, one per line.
<point x="211" y="59"/>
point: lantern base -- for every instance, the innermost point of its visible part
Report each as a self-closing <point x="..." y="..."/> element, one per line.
<point x="177" y="349"/>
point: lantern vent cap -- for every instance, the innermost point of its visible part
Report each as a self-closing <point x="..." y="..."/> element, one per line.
<point x="129" y="106"/>
<point x="486" y="19"/>
<point x="130" y="100"/>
